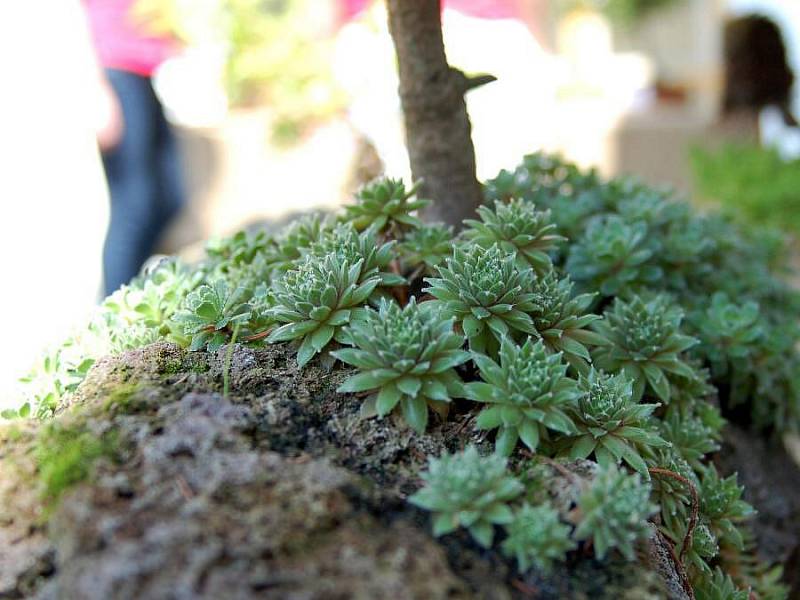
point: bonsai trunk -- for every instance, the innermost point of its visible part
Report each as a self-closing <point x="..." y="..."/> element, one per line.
<point x="435" y="114"/>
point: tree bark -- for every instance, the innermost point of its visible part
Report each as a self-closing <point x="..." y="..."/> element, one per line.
<point x="435" y="114"/>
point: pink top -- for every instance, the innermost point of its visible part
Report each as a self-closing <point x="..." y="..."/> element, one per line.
<point x="121" y="43"/>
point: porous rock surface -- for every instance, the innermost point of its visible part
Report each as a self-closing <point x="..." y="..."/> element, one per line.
<point x="279" y="491"/>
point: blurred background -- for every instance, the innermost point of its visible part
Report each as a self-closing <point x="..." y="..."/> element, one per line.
<point x="275" y="107"/>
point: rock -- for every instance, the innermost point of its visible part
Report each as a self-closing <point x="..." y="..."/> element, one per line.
<point x="771" y="480"/>
<point x="279" y="491"/>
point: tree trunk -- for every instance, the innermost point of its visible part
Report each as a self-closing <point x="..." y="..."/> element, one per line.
<point x="435" y="114"/>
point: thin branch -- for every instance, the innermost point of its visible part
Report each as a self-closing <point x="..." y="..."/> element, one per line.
<point x="679" y="569"/>
<point x="687" y="539"/>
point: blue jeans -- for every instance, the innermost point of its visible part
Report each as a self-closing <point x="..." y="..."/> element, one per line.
<point x="144" y="180"/>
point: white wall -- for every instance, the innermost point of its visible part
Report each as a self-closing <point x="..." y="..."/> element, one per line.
<point x="53" y="203"/>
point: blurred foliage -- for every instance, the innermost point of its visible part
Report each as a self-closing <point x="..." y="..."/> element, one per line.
<point x="752" y="183"/>
<point x="278" y="53"/>
<point x="623" y="12"/>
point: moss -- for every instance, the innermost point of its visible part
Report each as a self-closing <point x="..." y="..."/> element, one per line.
<point x="65" y="455"/>
<point x="123" y="399"/>
<point x="170" y="366"/>
<point x="11" y="433"/>
<point x="195" y="362"/>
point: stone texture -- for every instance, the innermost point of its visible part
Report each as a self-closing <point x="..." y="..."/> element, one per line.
<point x="279" y="491"/>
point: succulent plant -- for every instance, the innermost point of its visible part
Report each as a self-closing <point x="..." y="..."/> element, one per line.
<point x="516" y="227"/>
<point x="316" y="299"/>
<point x="562" y="320"/>
<point x="536" y="536"/>
<point x="613" y="511"/>
<point x="486" y="293"/>
<point x="646" y="343"/>
<point x="385" y="205"/>
<point x="151" y="300"/>
<point x="238" y="249"/>
<point x="612" y="255"/>
<point x="528" y="393"/>
<point x="408" y="355"/>
<point x="729" y="332"/>
<point x="685" y="251"/>
<point x="690" y="437"/>
<point x="721" y="503"/>
<point x="350" y="245"/>
<point x="211" y="312"/>
<point x="468" y="490"/>
<point x="610" y="424"/>
<point x="703" y="548"/>
<point x="427" y="247"/>
<point x="58" y="372"/>
<point x="674" y="495"/>
<point x="718" y="586"/>
<point x="295" y="241"/>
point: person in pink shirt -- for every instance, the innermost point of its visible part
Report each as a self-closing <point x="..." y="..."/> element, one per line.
<point x="139" y="149"/>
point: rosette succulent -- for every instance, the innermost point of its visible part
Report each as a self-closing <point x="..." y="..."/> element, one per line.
<point x="427" y="247"/>
<point x="673" y="494"/>
<point x="689" y="436"/>
<point x="721" y="503"/>
<point x="729" y="332"/>
<point x="536" y="536"/>
<point x="316" y="299"/>
<point x="408" y="356"/>
<point x="468" y="490"/>
<point x="703" y="546"/>
<point x="385" y="205"/>
<point x="612" y="255"/>
<point x="613" y="511"/>
<point x="563" y="320"/>
<point x="295" y="241"/>
<point x="610" y="424"/>
<point x="516" y="227"/>
<point x="719" y="586"/>
<point x="486" y="293"/>
<point x="212" y="312"/>
<point x="350" y="245"/>
<point x="528" y="393"/>
<point x="238" y="249"/>
<point x="646" y="343"/>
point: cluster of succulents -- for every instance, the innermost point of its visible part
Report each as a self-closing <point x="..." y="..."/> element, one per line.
<point x="575" y="320"/>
